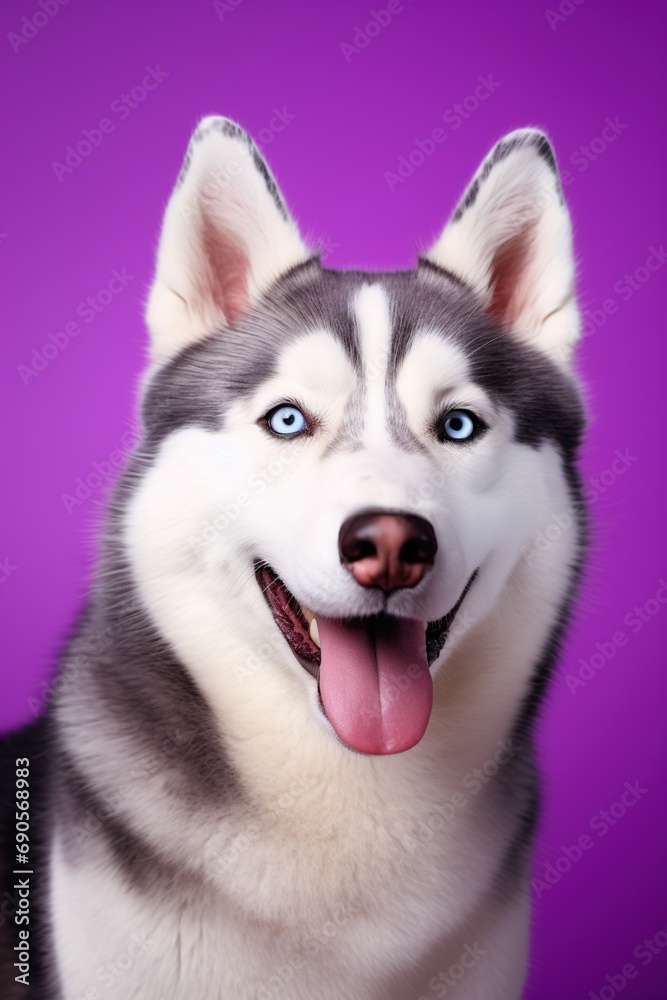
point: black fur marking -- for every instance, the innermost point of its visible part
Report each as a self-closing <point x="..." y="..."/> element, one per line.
<point x="544" y="400"/>
<point x="518" y="854"/>
<point x="437" y="631"/>
<point x="525" y="797"/>
<point x="532" y="702"/>
<point x="542" y="147"/>
<point x="428" y="265"/>
<point x="233" y="131"/>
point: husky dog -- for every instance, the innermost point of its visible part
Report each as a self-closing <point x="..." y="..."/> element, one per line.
<point x="289" y="752"/>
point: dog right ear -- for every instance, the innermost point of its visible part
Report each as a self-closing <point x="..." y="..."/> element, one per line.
<point x="226" y="237"/>
<point x="510" y="239"/>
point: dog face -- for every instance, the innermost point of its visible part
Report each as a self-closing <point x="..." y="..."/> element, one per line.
<point x="338" y="460"/>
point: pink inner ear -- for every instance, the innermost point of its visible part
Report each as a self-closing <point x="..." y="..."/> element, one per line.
<point x="508" y="283"/>
<point x="223" y="277"/>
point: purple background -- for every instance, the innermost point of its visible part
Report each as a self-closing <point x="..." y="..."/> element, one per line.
<point x="352" y="118"/>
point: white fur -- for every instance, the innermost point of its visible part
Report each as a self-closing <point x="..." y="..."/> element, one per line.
<point x="374" y="322"/>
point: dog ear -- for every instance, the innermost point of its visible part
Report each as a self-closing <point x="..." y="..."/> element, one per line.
<point x="226" y="236"/>
<point x="510" y="239"/>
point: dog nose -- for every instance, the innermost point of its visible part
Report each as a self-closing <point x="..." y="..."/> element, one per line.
<point x="387" y="550"/>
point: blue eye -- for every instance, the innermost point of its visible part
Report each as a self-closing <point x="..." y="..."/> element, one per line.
<point x="286" y="420"/>
<point x="459" y="425"/>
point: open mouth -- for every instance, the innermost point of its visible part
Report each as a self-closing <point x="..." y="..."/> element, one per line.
<point x="373" y="673"/>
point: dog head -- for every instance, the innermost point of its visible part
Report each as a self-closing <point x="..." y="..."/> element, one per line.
<point x="341" y="460"/>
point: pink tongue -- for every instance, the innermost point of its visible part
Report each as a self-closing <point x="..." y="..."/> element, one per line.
<point x="375" y="683"/>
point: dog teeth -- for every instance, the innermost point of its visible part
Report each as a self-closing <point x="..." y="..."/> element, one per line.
<point x="315" y="632"/>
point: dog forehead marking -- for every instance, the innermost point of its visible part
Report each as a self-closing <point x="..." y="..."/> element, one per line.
<point x="375" y="332"/>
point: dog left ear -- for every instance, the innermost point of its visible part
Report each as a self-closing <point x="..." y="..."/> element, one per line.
<point x="510" y="239"/>
<point x="226" y="237"/>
